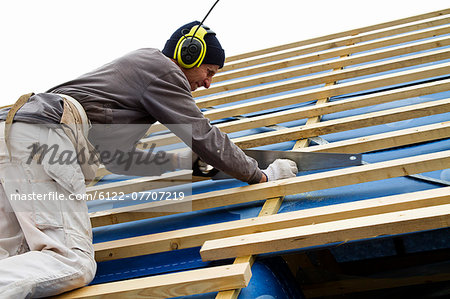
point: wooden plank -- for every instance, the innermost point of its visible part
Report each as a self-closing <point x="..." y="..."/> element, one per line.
<point x="343" y="61"/>
<point x="339" y="42"/>
<point x="312" y="111"/>
<point x="170" y="285"/>
<point x="332" y="53"/>
<point x="312" y="182"/>
<point x="414" y="220"/>
<point x="313" y="80"/>
<point x="385" y="140"/>
<point x="335" y="90"/>
<point x="344" y="124"/>
<point x="196" y="236"/>
<point x="337" y="35"/>
<point x="302" y="143"/>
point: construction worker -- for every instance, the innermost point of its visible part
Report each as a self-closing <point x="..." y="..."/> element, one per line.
<point x="45" y="235"/>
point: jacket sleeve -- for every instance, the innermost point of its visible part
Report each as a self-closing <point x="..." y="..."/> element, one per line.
<point x="170" y="101"/>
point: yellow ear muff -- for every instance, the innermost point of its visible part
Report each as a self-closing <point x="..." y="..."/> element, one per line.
<point x="191" y="49"/>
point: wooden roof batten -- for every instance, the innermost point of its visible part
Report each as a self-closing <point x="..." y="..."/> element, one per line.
<point x="273" y="232"/>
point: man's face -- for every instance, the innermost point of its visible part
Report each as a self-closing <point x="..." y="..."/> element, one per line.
<point x="201" y="76"/>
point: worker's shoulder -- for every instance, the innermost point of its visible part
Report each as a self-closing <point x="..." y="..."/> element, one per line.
<point x="148" y="56"/>
<point x="150" y="59"/>
<point x="154" y="66"/>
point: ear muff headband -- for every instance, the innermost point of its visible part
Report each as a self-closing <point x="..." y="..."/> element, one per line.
<point x="191" y="49"/>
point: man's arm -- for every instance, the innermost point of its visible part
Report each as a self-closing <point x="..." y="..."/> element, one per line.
<point x="169" y="100"/>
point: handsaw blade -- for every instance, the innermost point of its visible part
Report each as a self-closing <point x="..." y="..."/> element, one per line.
<point x="305" y="160"/>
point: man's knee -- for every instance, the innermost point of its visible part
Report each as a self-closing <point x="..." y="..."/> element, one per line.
<point x="81" y="263"/>
<point x="84" y="269"/>
<point x="89" y="268"/>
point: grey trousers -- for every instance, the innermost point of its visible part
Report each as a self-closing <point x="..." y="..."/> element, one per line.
<point x="45" y="232"/>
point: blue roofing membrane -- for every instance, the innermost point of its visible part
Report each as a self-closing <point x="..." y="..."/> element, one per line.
<point x="264" y="270"/>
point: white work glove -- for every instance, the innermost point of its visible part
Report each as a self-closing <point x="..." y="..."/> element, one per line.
<point x="281" y="169"/>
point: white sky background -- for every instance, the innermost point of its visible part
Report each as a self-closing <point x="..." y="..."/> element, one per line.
<point x="47" y="42"/>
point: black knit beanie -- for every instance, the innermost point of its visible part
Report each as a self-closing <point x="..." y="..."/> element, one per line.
<point x="214" y="52"/>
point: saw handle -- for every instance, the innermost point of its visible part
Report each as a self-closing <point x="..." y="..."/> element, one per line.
<point x="200" y="168"/>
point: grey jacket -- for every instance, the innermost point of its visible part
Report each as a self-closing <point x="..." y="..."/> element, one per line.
<point x="143" y="87"/>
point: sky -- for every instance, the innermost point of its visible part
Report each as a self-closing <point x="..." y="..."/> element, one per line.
<point x="47" y="42"/>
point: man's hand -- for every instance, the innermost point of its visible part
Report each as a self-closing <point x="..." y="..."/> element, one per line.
<point x="281" y="169"/>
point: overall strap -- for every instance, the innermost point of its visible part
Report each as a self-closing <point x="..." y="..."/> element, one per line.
<point x="10" y="117"/>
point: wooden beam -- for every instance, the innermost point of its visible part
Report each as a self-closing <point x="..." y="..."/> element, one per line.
<point x="234" y="293"/>
<point x="270" y="207"/>
<point x="312" y="111"/>
<point x="328" y="233"/>
<point x="337" y="35"/>
<point x="312" y="182"/>
<point x="170" y="285"/>
<point x="344" y="124"/>
<point x="313" y="80"/>
<point x="339" y="42"/>
<point x="302" y="143"/>
<point x="196" y="236"/>
<point x="335" y="90"/>
<point x="327" y="54"/>
<point x="385" y="140"/>
<point x="341" y="62"/>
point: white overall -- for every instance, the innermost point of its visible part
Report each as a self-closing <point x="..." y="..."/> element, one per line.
<point x="45" y="233"/>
